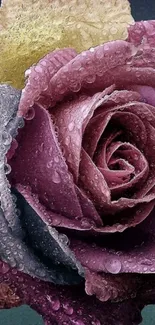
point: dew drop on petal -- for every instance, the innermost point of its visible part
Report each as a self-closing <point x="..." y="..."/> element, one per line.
<point x="6" y="138"/>
<point x="64" y="239"/>
<point x="7" y="169"/>
<point x="5" y="268"/>
<point x="85" y="223"/>
<point x="56" y="177"/>
<point x="71" y="126"/>
<point x="77" y="322"/>
<point x="56" y="159"/>
<point x="41" y="147"/>
<point x="49" y="164"/>
<point x="96" y="322"/>
<point x="113" y="266"/>
<point x="55" y="303"/>
<point x="30" y="114"/>
<point x="68" y="309"/>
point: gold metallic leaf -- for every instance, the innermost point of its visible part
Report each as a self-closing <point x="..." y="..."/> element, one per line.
<point x="29" y="29"/>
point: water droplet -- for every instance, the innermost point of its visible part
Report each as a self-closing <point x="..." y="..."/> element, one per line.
<point x="55" y="303"/>
<point x="56" y="177"/>
<point x="77" y="322"/>
<point x="56" y="159"/>
<point x="136" y="157"/>
<point x="38" y="69"/>
<point x="41" y="273"/>
<point x="49" y="164"/>
<point x="21" y="267"/>
<point x="67" y="309"/>
<point x="14" y="271"/>
<point x="27" y="73"/>
<point x="64" y="239"/>
<point x="113" y="266"/>
<point x="67" y="140"/>
<point x="5" y="268"/>
<point x="85" y="223"/>
<point x="7" y="169"/>
<point x="106" y="47"/>
<point x="41" y="147"/>
<point x="96" y="322"/>
<point x="92" y="49"/>
<point x="71" y="126"/>
<point x="75" y="87"/>
<point x="79" y="312"/>
<point x="30" y="114"/>
<point x="6" y="138"/>
<point x="21" y="123"/>
<point x="90" y="78"/>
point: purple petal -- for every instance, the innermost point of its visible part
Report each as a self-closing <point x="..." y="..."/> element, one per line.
<point x="95" y="70"/>
<point x="93" y="181"/>
<point x="146" y="93"/>
<point x="47" y="174"/>
<point x="110" y="286"/>
<point x="142" y="32"/>
<point x="37" y="86"/>
<point x="71" y="119"/>
<point x="66" y="305"/>
<point x="130" y="252"/>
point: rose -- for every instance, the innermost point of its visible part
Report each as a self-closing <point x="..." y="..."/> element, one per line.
<point x="87" y="183"/>
<point x="105" y="133"/>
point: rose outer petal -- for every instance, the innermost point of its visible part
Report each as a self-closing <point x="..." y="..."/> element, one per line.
<point x="47" y="173"/>
<point x="142" y="32"/>
<point x="51" y="247"/>
<point x="133" y="251"/>
<point x="96" y="69"/>
<point x="37" y="86"/>
<point x="60" y="305"/>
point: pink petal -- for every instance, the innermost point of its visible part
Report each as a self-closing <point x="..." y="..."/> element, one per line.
<point x="63" y="305"/>
<point x="110" y="286"/>
<point x="39" y="75"/>
<point x="93" y="181"/>
<point x="147" y="93"/>
<point x="71" y="119"/>
<point x="47" y="172"/>
<point x="142" y="32"/>
<point x="94" y="131"/>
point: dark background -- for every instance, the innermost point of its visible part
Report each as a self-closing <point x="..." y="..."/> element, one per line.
<point x="141" y="10"/>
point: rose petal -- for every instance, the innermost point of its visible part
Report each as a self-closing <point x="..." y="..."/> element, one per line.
<point x="51" y="247"/>
<point x="94" y="131"/>
<point x="70" y="304"/>
<point x="36" y="89"/>
<point x="120" y="97"/>
<point x="71" y="119"/>
<point x="88" y="209"/>
<point x="9" y="124"/>
<point x="134" y="163"/>
<point x="58" y="220"/>
<point x="110" y="286"/>
<point x="142" y="32"/>
<point x="119" y="254"/>
<point x="93" y="181"/>
<point x="16" y="253"/>
<point x="147" y="93"/>
<point x="47" y="170"/>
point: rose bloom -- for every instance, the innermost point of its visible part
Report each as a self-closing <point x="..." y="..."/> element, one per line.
<point x="83" y="183"/>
